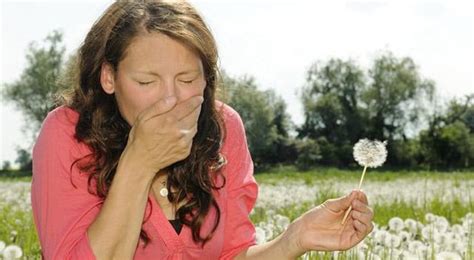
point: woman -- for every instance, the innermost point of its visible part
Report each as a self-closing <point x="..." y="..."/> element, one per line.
<point x="141" y="161"/>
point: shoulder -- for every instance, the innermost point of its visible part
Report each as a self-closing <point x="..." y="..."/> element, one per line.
<point x="58" y="128"/>
<point x="235" y="140"/>
<point x="63" y="117"/>
<point x="232" y="120"/>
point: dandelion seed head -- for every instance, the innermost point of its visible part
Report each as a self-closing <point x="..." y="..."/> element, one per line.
<point x="260" y="235"/>
<point x="380" y="236"/>
<point x="396" y="224"/>
<point x="392" y="241"/>
<point x="370" y="153"/>
<point x="448" y="256"/>
<point x="12" y="252"/>
<point x="430" y="217"/>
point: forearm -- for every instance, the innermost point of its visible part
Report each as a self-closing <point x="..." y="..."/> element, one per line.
<point x="282" y="247"/>
<point x="115" y="232"/>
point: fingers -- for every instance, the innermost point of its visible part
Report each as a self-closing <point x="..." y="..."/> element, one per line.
<point x="160" y="107"/>
<point x="187" y="107"/>
<point x="361" y="228"/>
<point x="336" y="206"/>
<point x="362" y="215"/>
<point x="362" y="197"/>
<point x="190" y="120"/>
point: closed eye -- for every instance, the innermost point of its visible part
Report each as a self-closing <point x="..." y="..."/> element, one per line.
<point x="145" y="82"/>
<point x="187" y="81"/>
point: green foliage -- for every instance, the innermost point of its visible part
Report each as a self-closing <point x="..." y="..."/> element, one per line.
<point x="24" y="160"/>
<point x="34" y="93"/>
<point x="265" y="120"/>
<point x="449" y="139"/>
<point x="309" y="154"/>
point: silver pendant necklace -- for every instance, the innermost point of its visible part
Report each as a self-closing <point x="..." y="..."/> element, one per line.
<point x="163" y="190"/>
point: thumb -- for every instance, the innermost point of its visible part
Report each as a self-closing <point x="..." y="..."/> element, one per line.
<point x="160" y="107"/>
<point x="341" y="203"/>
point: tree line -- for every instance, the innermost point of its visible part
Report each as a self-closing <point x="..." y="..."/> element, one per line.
<point x="342" y="103"/>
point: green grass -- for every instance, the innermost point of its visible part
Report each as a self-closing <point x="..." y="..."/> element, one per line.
<point x="288" y="173"/>
<point x="22" y="222"/>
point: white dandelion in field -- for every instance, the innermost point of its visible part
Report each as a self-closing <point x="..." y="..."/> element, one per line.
<point x="448" y="256"/>
<point x="12" y="252"/>
<point x="260" y="235"/>
<point x="2" y="246"/>
<point x="404" y="236"/>
<point x="411" y="225"/>
<point x="368" y="154"/>
<point x="441" y="224"/>
<point x="416" y="247"/>
<point x="392" y="241"/>
<point x="428" y="232"/>
<point x="380" y="236"/>
<point x="430" y="217"/>
<point x="396" y="224"/>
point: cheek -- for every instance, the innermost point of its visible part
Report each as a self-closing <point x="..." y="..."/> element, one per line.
<point x="186" y="92"/>
<point x="133" y="100"/>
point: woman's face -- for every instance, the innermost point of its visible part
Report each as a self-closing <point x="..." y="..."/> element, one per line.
<point x="155" y="66"/>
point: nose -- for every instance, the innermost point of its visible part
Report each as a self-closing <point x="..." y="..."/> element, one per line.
<point x="169" y="88"/>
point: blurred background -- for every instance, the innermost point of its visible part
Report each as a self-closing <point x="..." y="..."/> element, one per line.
<point x="309" y="79"/>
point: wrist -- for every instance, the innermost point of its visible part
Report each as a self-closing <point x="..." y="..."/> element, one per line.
<point x="131" y="162"/>
<point x="290" y="241"/>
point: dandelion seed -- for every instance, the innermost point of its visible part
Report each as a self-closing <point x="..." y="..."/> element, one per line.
<point x="404" y="236"/>
<point x="428" y="232"/>
<point x="380" y="236"/>
<point x="2" y="245"/>
<point x="12" y="252"/>
<point x="416" y="247"/>
<point x="260" y="235"/>
<point x="429" y="217"/>
<point x="392" y="241"/>
<point x="368" y="154"/>
<point x="441" y="224"/>
<point x="396" y="224"/>
<point x="448" y="256"/>
<point x="411" y="225"/>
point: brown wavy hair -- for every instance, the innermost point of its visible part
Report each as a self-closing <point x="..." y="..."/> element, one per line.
<point x="105" y="131"/>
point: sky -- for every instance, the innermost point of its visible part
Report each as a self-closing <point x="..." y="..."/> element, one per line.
<point x="274" y="41"/>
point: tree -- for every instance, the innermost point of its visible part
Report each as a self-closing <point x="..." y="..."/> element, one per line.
<point x="333" y="114"/>
<point x="265" y="120"/>
<point x="34" y="93"/>
<point x="449" y="139"/>
<point x="331" y="99"/>
<point x="343" y="104"/>
<point x="24" y="160"/>
<point x="6" y="166"/>
<point x="395" y="96"/>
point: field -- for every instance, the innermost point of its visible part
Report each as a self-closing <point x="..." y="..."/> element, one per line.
<point x="418" y="215"/>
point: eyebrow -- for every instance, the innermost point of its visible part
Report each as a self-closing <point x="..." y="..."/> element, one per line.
<point x="158" y="75"/>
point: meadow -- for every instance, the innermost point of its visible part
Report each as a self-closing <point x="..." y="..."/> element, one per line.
<point x="418" y="214"/>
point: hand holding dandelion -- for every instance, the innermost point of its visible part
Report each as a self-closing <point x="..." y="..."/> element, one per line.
<point x="368" y="154"/>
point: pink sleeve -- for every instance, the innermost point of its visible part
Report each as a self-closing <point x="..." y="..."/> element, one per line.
<point x="242" y="189"/>
<point x="62" y="212"/>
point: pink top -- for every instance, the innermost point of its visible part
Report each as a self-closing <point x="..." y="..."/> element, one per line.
<point x="63" y="213"/>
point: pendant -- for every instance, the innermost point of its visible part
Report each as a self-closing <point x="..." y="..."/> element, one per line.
<point x="164" y="192"/>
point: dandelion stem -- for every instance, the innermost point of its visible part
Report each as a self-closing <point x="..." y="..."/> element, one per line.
<point x="350" y="208"/>
<point x="362" y="178"/>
